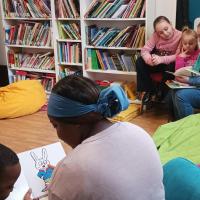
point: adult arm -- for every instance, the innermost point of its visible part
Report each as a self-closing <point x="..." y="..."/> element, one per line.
<point x="194" y="80"/>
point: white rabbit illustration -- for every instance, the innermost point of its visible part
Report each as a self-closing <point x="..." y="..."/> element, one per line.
<point x="43" y="166"/>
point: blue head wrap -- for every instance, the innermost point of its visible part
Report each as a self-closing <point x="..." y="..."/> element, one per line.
<point x="111" y="101"/>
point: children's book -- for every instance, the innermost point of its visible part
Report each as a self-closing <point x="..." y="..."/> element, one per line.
<point x="184" y="71"/>
<point x="177" y="85"/>
<point x="37" y="166"/>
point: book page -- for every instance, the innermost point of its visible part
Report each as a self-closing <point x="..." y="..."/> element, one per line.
<point x="183" y="71"/>
<point x="37" y="167"/>
<point x="177" y="85"/>
<point x="20" y="188"/>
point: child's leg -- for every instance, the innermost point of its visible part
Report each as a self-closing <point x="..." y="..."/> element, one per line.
<point x="144" y="82"/>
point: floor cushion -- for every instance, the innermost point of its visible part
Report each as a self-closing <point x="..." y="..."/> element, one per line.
<point x="21" y="98"/>
<point x="181" y="180"/>
<point x="179" y="139"/>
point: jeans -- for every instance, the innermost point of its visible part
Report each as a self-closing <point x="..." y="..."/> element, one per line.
<point x="184" y="101"/>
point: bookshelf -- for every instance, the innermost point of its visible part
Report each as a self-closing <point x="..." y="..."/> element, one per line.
<point x="122" y="29"/>
<point x="29" y="40"/>
<point x="68" y="47"/>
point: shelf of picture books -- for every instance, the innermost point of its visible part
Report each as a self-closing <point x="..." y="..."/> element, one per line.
<point x="69" y="43"/>
<point x="114" y="34"/>
<point x="113" y="49"/>
<point x="36" y="9"/>
<point x="115" y="9"/>
<point x="67" y="9"/>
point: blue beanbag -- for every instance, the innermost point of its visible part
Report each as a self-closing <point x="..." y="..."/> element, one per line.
<point x="181" y="180"/>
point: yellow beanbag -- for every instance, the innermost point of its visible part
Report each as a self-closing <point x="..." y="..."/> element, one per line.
<point x="21" y="98"/>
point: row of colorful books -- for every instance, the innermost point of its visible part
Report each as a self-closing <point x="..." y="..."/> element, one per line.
<point x="27" y="8"/>
<point x="131" y="36"/>
<point x="99" y="59"/>
<point x="69" y="52"/>
<point x="47" y="80"/>
<point x="67" y="9"/>
<point x="69" y="30"/>
<point x="28" y="60"/>
<point x="69" y="70"/>
<point x="29" y="33"/>
<point x="116" y="9"/>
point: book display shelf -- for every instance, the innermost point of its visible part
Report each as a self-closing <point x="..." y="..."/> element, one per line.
<point x="113" y="33"/>
<point x="50" y="39"/>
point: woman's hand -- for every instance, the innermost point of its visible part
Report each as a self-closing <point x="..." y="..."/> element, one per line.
<point x="156" y="60"/>
<point x="182" y="79"/>
<point x="28" y="195"/>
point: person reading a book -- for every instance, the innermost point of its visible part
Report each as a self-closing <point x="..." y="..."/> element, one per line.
<point x="182" y="102"/>
<point x="9" y="170"/>
<point x="109" y="160"/>
<point x="157" y="55"/>
<point x="189" y="49"/>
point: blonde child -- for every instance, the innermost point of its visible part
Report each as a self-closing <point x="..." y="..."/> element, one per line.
<point x="183" y="102"/>
<point x="158" y="55"/>
<point x="189" y="49"/>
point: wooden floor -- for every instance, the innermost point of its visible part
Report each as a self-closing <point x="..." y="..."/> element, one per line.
<point x="34" y="130"/>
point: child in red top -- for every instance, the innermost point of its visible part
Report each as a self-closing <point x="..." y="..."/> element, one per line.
<point x="189" y="49"/>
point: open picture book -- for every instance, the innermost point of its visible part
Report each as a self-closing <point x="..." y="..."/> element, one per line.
<point x="193" y="70"/>
<point x="177" y="85"/>
<point x="37" y="166"/>
<point x="185" y="71"/>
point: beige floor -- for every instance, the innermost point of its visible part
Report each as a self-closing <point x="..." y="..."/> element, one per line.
<point x="34" y="130"/>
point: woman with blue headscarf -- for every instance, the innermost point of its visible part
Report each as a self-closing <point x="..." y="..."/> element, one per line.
<point x="109" y="161"/>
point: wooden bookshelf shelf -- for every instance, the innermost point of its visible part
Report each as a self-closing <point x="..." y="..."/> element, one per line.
<point x="68" y="40"/>
<point x="30" y="47"/>
<point x="27" y="19"/>
<point x="71" y="64"/>
<point x="34" y="70"/>
<point x="114" y="48"/>
<point x="111" y="72"/>
<point x="114" y="19"/>
<point x="68" y="19"/>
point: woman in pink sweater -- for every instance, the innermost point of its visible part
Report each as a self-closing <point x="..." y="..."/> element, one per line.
<point x="158" y="55"/>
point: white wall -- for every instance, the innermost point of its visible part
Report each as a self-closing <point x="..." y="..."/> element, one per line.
<point x="160" y="7"/>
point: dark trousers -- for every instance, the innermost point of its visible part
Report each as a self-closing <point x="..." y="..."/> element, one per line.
<point x="144" y="81"/>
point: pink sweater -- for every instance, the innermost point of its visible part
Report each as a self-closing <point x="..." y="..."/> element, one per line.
<point x="156" y="42"/>
<point x="187" y="61"/>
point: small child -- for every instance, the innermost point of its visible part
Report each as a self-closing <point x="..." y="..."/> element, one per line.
<point x="189" y="49"/>
<point x="9" y="171"/>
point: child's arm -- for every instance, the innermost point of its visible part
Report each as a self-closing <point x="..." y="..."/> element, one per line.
<point x="148" y="48"/>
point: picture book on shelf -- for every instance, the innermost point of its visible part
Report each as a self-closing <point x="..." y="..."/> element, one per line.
<point x="36" y="170"/>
